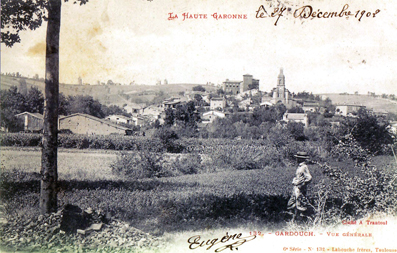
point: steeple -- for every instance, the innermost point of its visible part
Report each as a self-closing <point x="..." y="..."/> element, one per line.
<point x="281" y="72"/>
<point x="281" y="78"/>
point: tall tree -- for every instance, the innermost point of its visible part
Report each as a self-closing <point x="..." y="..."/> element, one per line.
<point x="49" y="154"/>
<point x="29" y="14"/>
<point x="198" y="99"/>
<point x="11" y="103"/>
<point x="85" y="104"/>
<point x="371" y="132"/>
<point x="34" y="100"/>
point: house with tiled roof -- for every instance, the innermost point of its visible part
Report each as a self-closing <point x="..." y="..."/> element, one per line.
<point x="296" y="117"/>
<point x="31" y="121"/>
<point x="311" y="106"/>
<point x="80" y="123"/>
<point x="119" y="119"/>
<point x="347" y="109"/>
<point x="210" y="116"/>
<point x="218" y="103"/>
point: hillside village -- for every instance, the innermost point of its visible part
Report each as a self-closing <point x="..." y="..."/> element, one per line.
<point x="143" y="108"/>
<point x="213" y="144"/>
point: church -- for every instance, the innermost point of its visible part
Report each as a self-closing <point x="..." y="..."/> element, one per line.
<point x="280" y="93"/>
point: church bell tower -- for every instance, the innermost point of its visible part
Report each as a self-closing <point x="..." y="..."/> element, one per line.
<point x="281" y="85"/>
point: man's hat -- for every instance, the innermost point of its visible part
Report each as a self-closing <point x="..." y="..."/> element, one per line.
<point x="303" y="155"/>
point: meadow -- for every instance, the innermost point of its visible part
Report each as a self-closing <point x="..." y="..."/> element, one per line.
<point x="223" y="198"/>
<point x="376" y="103"/>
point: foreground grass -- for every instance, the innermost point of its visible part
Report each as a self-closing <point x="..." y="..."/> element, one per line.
<point x="168" y="204"/>
<point x="191" y="202"/>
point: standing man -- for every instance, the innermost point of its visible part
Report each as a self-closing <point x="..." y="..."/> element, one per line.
<point x="298" y="201"/>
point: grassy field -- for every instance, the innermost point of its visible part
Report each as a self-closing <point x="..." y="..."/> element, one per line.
<point x="155" y="205"/>
<point x="72" y="164"/>
<point x="229" y="198"/>
<point x="377" y="104"/>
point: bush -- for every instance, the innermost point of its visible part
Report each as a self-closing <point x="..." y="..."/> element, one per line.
<point x="186" y="164"/>
<point x="145" y="164"/>
<point x="296" y="130"/>
<point x="20" y="139"/>
<point x="245" y="157"/>
<point x="167" y="137"/>
<point x="141" y="164"/>
<point x="348" y="196"/>
<point x="349" y="148"/>
<point x="370" y="131"/>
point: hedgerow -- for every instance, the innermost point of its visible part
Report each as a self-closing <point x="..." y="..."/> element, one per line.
<point x="112" y="142"/>
<point x="20" y="139"/>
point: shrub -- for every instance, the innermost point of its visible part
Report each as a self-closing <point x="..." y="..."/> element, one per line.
<point x="167" y="137"/>
<point x="349" y="148"/>
<point x="296" y="130"/>
<point x="346" y="196"/>
<point x="141" y="164"/>
<point x="20" y="139"/>
<point x="245" y="157"/>
<point x="370" y="131"/>
<point x="187" y="164"/>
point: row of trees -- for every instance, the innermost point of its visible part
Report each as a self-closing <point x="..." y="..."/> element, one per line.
<point x="370" y="131"/>
<point x="389" y="96"/>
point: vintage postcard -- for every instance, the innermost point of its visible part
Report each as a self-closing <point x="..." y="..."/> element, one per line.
<point x="198" y="126"/>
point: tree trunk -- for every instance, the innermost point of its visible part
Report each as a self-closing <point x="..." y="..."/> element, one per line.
<point x="49" y="171"/>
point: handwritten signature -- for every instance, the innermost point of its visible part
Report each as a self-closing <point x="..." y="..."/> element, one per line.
<point x="229" y="242"/>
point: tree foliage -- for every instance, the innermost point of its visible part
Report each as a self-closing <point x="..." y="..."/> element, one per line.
<point x="85" y="104"/>
<point x="371" y="132"/>
<point x="272" y="114"/>
<point x="20" y="15"/>
<point x="198" y="100"/>
<point x="13" y="102"/>
<point x="198" y="88"/>
<point x="307" y="96"/>
<point x="35" y="100"/>
<point x="183" y="115"/>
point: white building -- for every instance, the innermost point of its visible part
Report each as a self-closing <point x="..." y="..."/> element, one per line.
<point x="217" y="103"/>
<point x="296" y="117"/>
<point x="135" y="108"/>
<point x="310" y="107"/>
<point x="209" y="117"/>
<point x="119" y="119"/>
<point x="347" y="110"/>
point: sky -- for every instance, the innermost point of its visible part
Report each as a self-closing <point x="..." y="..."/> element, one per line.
<point x="133" y="41"/>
